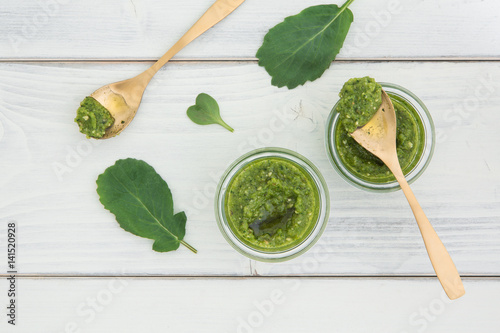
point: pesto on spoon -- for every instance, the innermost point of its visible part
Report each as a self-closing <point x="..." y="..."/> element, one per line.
<point x="122" y="99"/>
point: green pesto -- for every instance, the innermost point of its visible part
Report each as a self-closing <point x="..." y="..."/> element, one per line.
<point x="410" y="140"/>
<point x="272" y="188"/>
<point x="360" y="99"/>
<point x="93" y="118"/>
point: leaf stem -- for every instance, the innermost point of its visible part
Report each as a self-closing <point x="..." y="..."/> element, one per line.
<point x="226" y="126"/>
<point x="345" y="5"/>
<point x="189" y="246"/>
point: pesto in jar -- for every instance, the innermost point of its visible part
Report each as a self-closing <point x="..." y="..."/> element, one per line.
<point x="410" y="135"/>
<point x="92" y="118"/>
<point x="272" y="204"/>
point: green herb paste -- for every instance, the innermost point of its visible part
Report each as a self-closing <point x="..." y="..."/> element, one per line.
<point x="359" y="101"/>
<point x="93" y="118"/>
<point x="272" y="204"/>
<point x="410" y="135"/>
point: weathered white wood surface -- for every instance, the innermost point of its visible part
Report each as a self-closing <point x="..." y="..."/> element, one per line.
<point x="145" y="29"/>
<point x="253" y="305"/>
<point x="48" y="169"/>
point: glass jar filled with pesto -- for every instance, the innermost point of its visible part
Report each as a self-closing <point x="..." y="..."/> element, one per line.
<point x="272" y="204"/>
<point x="415" y="139"/>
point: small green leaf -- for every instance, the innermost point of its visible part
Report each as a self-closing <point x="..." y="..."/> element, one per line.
<point x="142" y="203"/>
<point x="206" y="112"/>
<point x="301" y="48"/>
<point x="272" y="224"/>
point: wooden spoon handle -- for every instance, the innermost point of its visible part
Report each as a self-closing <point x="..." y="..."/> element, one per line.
<point x="219" y="10"/>
<point x="440" y="258"/>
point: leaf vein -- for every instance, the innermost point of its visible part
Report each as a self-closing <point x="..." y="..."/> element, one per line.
<point x="143" y="205"/>
<point x="341" y="10"/>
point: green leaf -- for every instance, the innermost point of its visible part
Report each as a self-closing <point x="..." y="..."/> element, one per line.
<point x="206" y="112"/>
<point x="271" y="225"/>
<point x="142" y="203"/>
<point x="302" y="47"/>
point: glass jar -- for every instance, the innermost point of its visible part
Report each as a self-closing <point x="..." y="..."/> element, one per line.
<point x="310" y="236"/>
<point x="414" y="169"/>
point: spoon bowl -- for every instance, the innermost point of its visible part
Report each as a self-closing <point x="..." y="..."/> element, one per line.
<point x="122" y="99"/>
<point x="378" y="136"/>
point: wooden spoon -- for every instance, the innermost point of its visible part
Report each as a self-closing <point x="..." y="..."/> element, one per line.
<point x="122" y="99"/>
<point x="378" y="136"/>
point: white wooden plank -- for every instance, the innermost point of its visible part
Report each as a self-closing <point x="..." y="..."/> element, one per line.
<point x="251" y="305"/>
<point x="144" y="29"/>
<point x="64" y="229"/>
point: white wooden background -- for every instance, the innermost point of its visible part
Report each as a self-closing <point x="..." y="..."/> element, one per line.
<point x="79" y="272"/>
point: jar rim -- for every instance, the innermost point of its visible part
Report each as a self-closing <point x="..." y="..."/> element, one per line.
<point x="418" y="169"/>
<point x="305" y="166"/>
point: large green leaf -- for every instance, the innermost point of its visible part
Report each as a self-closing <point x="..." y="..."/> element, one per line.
<point x="142" y="203"/>
<point x="303" y="46"/>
